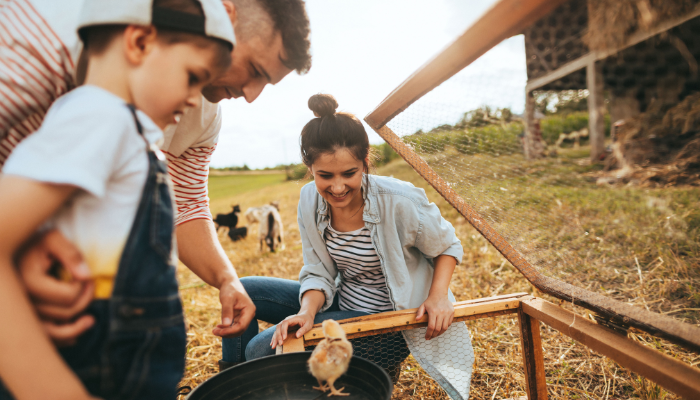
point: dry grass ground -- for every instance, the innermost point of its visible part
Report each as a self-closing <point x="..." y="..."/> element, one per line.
<point x="573" y="372"/>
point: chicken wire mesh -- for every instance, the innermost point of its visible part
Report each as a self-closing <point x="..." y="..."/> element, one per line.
<point x="572" y="234"/>
<point x="387" y="350"/>
<point x="448" y="360"/>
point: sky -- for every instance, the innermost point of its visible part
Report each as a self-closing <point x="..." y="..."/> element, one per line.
<point x="362" y="50"/>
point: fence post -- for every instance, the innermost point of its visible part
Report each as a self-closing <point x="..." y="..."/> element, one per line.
<point x="533" y="359"/>
<point x="596" y="110"/>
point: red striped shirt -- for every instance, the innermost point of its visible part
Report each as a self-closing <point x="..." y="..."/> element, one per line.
<point x="35" y="69"/>
<point x="189" y="173"/>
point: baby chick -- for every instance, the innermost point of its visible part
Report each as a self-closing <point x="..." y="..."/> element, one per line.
<point x="331" y="358"/>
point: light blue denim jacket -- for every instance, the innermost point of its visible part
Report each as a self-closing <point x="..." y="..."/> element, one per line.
<point x="407" y="232"/>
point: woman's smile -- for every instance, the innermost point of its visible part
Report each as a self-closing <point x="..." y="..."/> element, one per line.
<point x="338" y="177"/>
<point x="341" y="196"/>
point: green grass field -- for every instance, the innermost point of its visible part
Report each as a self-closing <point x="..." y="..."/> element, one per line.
<point x="223" y="187"/>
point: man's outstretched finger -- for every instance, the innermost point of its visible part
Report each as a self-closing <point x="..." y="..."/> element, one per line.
<point x="67" y="334"/>
<point x="242" y="319"/>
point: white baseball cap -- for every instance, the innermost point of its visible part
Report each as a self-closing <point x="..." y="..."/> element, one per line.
<point x="215" y="23"/>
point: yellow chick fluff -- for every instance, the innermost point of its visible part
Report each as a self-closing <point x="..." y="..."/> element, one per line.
<point x="331" y="358"/>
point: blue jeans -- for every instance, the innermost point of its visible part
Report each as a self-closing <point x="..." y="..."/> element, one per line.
<point x="275" y="299"/>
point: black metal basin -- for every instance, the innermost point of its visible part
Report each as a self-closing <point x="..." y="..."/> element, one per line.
<point x="285" y="377"/>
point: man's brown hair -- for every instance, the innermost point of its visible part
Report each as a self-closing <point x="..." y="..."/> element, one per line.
<point x="288" y="17"/>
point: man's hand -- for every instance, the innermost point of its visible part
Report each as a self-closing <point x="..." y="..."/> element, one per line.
<point x="237" y="310"/>
<point x="57" y="302"/>
<point x="202" y="253"/>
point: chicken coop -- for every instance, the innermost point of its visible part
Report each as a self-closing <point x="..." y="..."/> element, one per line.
<point x="637" y="61"/>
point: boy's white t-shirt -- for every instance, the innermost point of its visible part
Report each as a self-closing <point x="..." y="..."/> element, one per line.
<point x="89" y="140"/>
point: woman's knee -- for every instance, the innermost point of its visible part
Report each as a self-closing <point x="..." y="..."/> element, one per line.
<point x="259" y="346"/>
<point x="254" y="284"/>
<point x="267" y="287"/>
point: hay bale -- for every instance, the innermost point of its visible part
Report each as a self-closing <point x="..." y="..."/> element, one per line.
<point x="685" y="117"/>
<point x="660" y="146"/>
<point x="612" y="22"/>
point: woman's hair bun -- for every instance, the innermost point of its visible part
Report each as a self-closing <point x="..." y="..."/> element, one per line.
<point x="323" y="105"/>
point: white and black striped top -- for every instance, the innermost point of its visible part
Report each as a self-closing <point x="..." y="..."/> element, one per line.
<point x="362" y="285"/>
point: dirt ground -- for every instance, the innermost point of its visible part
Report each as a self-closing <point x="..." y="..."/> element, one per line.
<point x="573" y="371"/>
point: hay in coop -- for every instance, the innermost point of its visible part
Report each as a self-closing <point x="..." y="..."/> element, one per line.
<point x="660" y="147"/>
<point x="612" y="22"/>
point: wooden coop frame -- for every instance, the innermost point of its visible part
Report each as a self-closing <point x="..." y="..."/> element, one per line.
<point x="668" y="372"/>
<point x="505" y="19"/>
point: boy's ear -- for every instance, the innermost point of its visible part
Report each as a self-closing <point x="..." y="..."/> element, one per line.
<point x="138" y="41"/>
<point x="231" y="11"/>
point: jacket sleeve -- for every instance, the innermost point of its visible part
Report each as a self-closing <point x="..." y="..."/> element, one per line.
<point x="189" y="173"/>
<point x="314" y="275"/>
<point x="435" y="235"/>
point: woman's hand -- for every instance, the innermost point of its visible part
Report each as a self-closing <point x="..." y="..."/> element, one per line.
<point x="440" y="312"/>
<point x="303" y="320"/>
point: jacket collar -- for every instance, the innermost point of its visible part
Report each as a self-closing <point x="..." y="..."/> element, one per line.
<point x="369" y="193"/>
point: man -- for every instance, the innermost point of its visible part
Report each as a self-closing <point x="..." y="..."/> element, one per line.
<point x="39" y="62"/>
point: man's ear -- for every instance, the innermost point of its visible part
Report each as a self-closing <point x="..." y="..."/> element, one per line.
<point x="231" y="11"/>
<point x="138" y="41"/>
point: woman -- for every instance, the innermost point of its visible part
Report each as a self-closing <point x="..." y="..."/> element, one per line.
<point x="371" y="244"/>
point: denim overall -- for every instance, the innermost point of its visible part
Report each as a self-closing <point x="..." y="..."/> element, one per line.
<point x="136" y="349"/>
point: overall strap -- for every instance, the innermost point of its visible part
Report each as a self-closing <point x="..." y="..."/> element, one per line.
<point x="132" y="108"/>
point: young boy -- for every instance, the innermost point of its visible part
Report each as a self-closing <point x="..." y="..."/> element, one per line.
<point x="94" y="171"/>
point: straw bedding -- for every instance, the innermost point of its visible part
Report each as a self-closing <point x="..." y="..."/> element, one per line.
<point x="612" y="22"/>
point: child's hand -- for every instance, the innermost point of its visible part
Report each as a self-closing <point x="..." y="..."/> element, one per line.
<point x="440" y="312"/>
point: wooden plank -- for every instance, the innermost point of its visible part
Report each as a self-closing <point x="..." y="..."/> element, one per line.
<point x="533" y="359"/>
<point x="291" y="345"/>
<point x="668" y="372"/>
<point x="355" y="335"/>
<point x="596" y="110"/>
<point x="585" y="60"/>
<point x="412" y="311"/>
<point x="505" y="19"/>
<point x="566" y="69"/>
<point x="405" y="319"/>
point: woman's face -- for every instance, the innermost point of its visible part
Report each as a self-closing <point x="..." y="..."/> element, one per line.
<point x="338" y="178"/>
